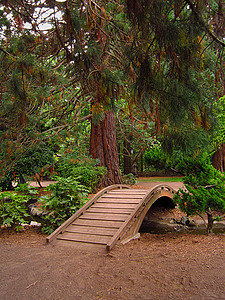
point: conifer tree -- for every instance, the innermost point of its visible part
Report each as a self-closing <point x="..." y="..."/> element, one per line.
<point x="84" y="39"/>
<point x="158" y="52"/>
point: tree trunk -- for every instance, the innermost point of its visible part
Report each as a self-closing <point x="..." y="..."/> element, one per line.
<point x="126" y="158"/>
<point x="210" y="222"/>
<point x="142" y="164"/>
<point x="103" y="146"/>
<point x="218" y="159"/>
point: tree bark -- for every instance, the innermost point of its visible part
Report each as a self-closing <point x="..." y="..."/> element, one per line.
<point x="103" y="146"/>
<point x="218" y="160"/>
<point x="126" y="158"/>
<point x="210" y="222"/>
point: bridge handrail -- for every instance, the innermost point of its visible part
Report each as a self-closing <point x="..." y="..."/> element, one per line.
<point x="83" y="209"/>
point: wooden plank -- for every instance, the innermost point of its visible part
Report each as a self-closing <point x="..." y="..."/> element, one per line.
<point x="129" y="191"/>
<point x="98" y="223"/>
<point x="122" y="196"/>
<point x="92" y="230"/>
<point x="97" y="248"/>
<point x="110" y="210"/>
<point x="103" y="216"/>
<point x="84" y="238"/>
<point x="125" y="201"/>
<point x="130" y="206"/>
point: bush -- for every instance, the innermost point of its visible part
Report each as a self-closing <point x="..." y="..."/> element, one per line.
<point x="156" y="158"/>
<point x="189" y="165"/>
<point x="30" y="162"/>
<point x="26" y="189"/>
<point x="13" y="209"/>
<point x="6" y="182"/>
<point x="129" y="179"/>
<point x="67" y="196"/>
<point x="205" y="191"/>
<point x="85" y="169"/>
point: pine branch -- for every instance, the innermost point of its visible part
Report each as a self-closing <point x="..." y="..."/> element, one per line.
<point x="200" y="20"/>
<point x="7" y="53"/>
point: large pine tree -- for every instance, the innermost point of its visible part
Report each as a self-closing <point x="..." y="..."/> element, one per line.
<point x="157" y="52"/>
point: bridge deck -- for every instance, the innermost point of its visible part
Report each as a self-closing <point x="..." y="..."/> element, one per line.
<point x="104" y="219"/>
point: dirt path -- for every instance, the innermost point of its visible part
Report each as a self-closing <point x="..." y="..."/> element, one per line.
<point x="151" y="184"/>
<point x="155" y="267"/>
<point x="172" y="266"/>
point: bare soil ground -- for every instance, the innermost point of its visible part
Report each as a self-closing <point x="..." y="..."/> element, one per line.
<point x="165" y="266"/>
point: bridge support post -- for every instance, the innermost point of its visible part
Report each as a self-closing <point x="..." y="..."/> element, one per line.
<point x="134" y="237"/>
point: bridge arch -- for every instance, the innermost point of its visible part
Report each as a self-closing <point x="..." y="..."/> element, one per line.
<point x="154" y="195"/>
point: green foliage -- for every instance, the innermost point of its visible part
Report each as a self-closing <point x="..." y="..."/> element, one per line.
<point x="29" y="89"/>
<point x="195" y="201"/>
<point x="219" y="133"/>
<point x="26" y="189"/>
<point x="200" y="167"/>
<point x="89" y="175"/>
<point x="85" y="169"/>
<point x="156" y="157"/>
<point x="34" y="159"/>
<point x="28" y="163"/>
<point x="169" y="62"/>
<point x="129" y="179"/>
<point x="13" y="209"/>
<point x="186" y="139"/>
<point x="6" y="182"/>
<point x="204" y="192"/>
<point x="67" y="196"/>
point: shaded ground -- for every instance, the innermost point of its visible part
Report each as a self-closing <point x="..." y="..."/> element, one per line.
<point x="171" y="266"/>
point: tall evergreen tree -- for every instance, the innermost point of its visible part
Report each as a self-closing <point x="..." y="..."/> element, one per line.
<point x="163" y="60"/>
<point x="84" y="38"/>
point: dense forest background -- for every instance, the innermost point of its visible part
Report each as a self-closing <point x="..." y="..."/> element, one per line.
<point x="110" y="88"/>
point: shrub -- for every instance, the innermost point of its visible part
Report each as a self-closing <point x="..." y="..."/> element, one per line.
<point x="26" y="189"/>
<point x="129" y="179"/>
<point x="156" y="158"/>
<point x="13" y="209"/>
<point x="6" y="182"/>
<point x="30" y="162"/>
<point x="85" y="169"/>
<point x="188" y="165"/>
<point x="205" y="191"/>
<point x="67" y="196"/>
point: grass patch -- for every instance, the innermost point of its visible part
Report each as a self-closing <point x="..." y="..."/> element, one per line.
<point x="161" y="179"/>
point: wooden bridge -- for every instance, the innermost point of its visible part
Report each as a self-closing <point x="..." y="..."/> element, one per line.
<point x="113" y="215"/>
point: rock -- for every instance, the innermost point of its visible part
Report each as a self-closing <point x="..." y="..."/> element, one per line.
<point x="184" y="221"/>
<point x="36" y="211"/>
<point x="191" y="223"/>
<point x="181" y="228"/>
<point x="30" y="206"/>
<point x="33" y="223"/>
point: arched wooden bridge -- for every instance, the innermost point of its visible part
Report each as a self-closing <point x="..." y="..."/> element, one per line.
<point x="113" y="215"/>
